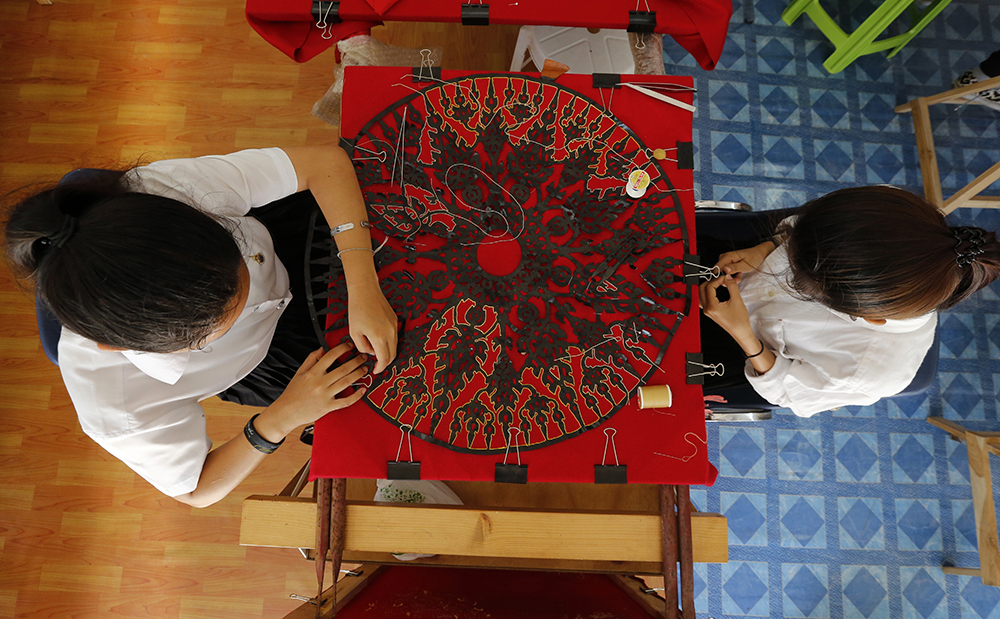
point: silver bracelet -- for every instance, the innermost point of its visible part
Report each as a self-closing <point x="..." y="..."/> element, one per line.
<point x="345" y="227"/>
<point x="355" y="249"/>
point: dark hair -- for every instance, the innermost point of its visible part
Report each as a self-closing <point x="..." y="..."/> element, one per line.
<point x="139" y="271"/>
<point x="881" y="252"/>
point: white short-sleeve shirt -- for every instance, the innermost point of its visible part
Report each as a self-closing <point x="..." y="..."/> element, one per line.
<point x="144" y="408"/>
<point x="824" y="359"/>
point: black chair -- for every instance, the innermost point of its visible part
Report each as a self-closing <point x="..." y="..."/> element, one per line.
<point x="735" y="222"/>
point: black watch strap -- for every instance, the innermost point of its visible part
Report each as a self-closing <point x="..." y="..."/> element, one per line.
<point x="257" y="441"/>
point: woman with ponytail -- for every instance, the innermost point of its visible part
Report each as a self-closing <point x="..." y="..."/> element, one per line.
<point x="839" y="307"/>
<point x="184" y="279"/>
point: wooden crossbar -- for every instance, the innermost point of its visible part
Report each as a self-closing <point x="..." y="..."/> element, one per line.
<point x="546" y="535"/>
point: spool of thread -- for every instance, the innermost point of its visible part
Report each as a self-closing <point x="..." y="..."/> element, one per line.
<point x="655" y="396"/>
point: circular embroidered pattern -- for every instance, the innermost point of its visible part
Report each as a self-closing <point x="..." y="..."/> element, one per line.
<point x="533" y="291"/>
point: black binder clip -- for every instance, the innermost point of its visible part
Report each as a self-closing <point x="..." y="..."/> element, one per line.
<point x="607" y="80"/>
<point x="605" y="473"/>
<point x="476" y="14"/>
<point x="685" y="156"/>
<point x="694" y="272"/>
<point x="511" y="473"/>
<point x="408" y="470"/>
<point x="642" y="22"/>
<point x="325" y="13"/>
<point x="696" y="369"/>
<point x="426" y="74"/>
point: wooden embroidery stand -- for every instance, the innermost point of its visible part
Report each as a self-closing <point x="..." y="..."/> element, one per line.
<point x="968" y="195"/>
<point x="981" y="445"/>
<point x="620" y="530"/>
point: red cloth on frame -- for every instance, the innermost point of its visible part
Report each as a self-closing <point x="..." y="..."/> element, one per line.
<point x="289" y="26"/>
<point x="358" y="442"/>
<point x="699" y="26"/>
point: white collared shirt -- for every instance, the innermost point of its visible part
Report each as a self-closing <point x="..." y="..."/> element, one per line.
<point x="825" y="359"/>
<point x="144" y="407"/>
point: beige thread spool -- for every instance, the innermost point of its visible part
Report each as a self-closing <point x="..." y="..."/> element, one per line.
<point x="655" y="396"/>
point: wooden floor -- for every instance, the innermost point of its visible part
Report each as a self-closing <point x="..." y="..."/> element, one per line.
<point x="86" y="83"/>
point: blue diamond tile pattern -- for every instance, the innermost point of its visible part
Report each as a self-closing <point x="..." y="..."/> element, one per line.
<point x="779" y="105"/>
<point x="729" y="102"/>
<point x="803" y="521"/>
<point x="775" y="55"/>
<point x="865" y="592"/>
<point x="961" y="396"/>
<point x="742" y="451"/>
<point x="849" y="514"/>
<point x="834" y="160"/>
<point x="799" y="455"/>
<point x="958" y="463"/>
<point x="829" y="109"/>
<point x="857" y="456"/>
<point x="979" y="599"/>
<point x="958" y="337"/>
<point x="805" y="590"/>
<point x="861" y="523"/>
<point x="746" y="515"/>
<point x="783" y="157"/>
<point x="965" y="526"/>
<point x="745" y="587"/>
<point x="923" y="591"/>
<point x="913" y="458"/>
<point x="909" y="406"/>
<point x="919" y="524"/>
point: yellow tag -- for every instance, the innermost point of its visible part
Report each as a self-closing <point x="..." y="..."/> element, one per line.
<point x="660" y="154"/>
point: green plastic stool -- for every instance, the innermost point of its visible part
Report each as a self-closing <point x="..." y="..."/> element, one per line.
<point x="862" y="41"/>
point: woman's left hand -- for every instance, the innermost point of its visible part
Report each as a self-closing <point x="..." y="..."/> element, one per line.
<point x="372" y="323"/>
<point x="732" y="314"/>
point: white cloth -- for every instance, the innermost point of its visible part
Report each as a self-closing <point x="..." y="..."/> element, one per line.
<point x="824" y="358"/>
<point x="144" y="407"/>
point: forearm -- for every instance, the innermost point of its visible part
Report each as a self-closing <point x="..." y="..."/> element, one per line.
<point x="328" y="173"/>
<point x="225" y="468"/>
<point x="752" y="345"/>
<point x="228" y="465"/>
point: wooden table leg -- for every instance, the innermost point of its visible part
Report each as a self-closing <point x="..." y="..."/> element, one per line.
<point x="686" y="551"/>
<point x="668" y="515"/>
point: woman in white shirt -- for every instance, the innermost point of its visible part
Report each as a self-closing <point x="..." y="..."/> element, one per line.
<point x="840" y="307"/>
<point x="183" y="279"/>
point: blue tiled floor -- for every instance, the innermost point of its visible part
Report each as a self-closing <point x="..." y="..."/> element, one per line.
<point x="849" y="514"/>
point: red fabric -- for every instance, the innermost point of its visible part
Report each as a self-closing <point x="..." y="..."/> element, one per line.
<point x="381" y="6"/>
<point x="699" y="26"/>
<point x="417" y="592"/>
<point x="359" y="442"/>
<point x="289" y="26"/>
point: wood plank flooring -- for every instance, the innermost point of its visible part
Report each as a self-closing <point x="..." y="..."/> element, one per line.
<point x="107" y="83"/>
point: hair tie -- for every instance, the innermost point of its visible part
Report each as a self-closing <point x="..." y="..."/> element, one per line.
<point x="63" y="234"/>
<point x="969" y="245"/>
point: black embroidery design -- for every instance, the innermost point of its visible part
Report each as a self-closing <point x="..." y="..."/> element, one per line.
<point x="533" y="292"/>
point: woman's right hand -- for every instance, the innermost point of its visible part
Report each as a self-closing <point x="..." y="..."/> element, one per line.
<point x="313" y="392"/>
<point x="745" y="260"/>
